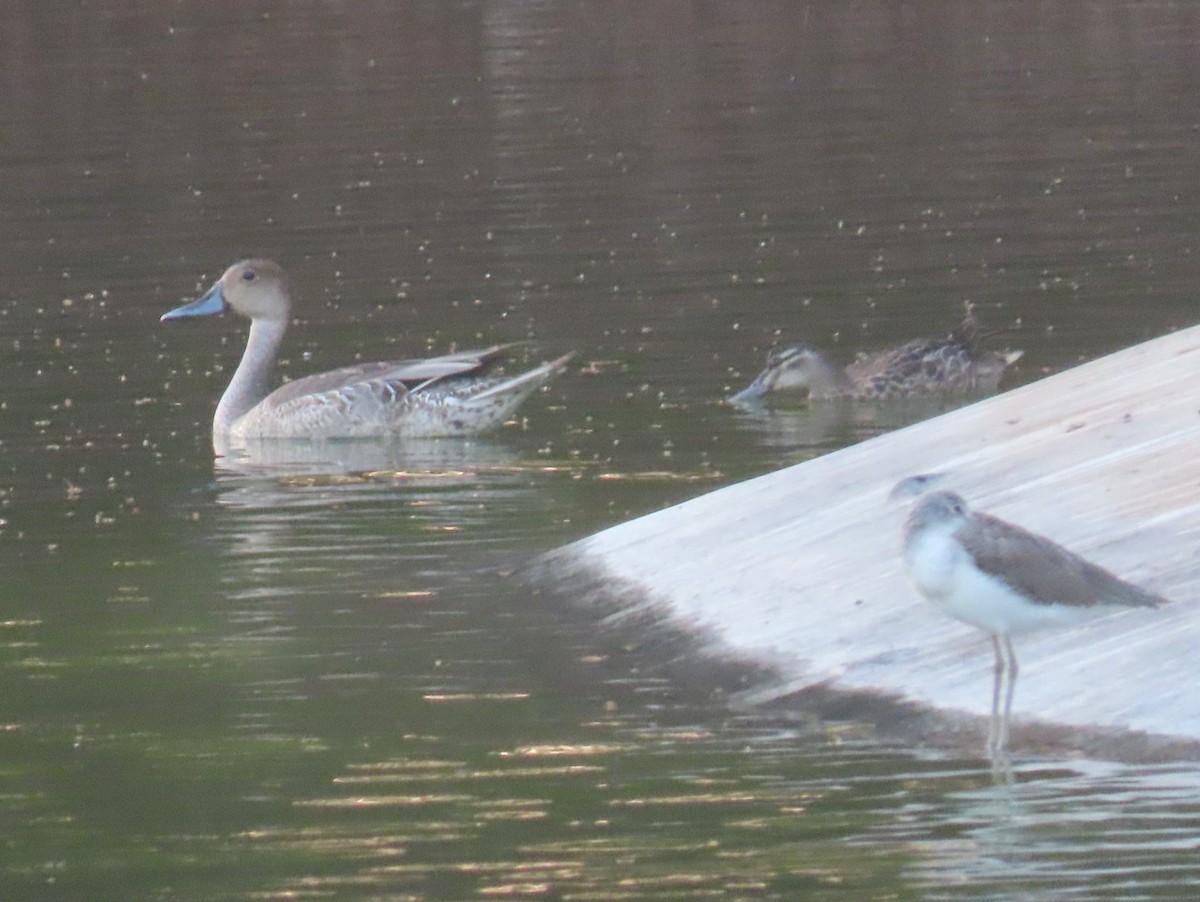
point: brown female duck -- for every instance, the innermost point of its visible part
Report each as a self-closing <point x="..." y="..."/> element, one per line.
<point x="954" y="365"/>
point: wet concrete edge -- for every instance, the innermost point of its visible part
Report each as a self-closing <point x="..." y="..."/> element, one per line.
<point x="689" y="653"/>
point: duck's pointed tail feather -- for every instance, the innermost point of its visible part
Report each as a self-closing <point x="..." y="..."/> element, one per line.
<point x="526" y="383"/>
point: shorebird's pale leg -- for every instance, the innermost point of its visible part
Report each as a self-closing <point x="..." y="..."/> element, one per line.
<point x="997" y="678"/>
<point x="1004" y="682"/>
<point x="1012" y="669"/>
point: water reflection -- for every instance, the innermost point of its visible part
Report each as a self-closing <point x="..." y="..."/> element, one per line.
<point x="375" y="519"/>
<point x="368" y="458"/>
<point x="1034" y="835"/>
<point x="827" y="425"/>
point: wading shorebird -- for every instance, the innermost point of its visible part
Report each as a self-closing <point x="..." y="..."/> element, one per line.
<point x="1004" y="580"/>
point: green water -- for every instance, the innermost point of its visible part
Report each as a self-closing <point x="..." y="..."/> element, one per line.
<point x="313" y="677"/>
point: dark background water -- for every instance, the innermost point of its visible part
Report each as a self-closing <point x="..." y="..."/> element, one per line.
<point x="313" y="679"/>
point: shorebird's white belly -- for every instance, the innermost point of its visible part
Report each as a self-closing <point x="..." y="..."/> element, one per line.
<point x="946" y="575"/>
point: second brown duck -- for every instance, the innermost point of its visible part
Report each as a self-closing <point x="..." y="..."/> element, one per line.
<point x="953" y="365"/>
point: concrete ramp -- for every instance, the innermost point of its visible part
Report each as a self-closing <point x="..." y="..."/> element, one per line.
<point x="799" y="570"/>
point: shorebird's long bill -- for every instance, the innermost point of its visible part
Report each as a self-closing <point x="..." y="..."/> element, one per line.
<point x="212" y="303"/>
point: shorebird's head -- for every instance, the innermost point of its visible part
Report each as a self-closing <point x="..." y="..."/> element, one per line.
<point x="256" y="289"/>
<point x="938" y="510"/>
<point x="790" y="368"/>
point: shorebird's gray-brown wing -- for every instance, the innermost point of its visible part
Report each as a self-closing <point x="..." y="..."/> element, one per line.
<point x="1043" y="570"/>
<point x="391" y="375"/>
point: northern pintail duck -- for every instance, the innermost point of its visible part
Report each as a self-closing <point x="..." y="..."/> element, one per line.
<point x="954" y="365"/>
<point x="439" y="396"/>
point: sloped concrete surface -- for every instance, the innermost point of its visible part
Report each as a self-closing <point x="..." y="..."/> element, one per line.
<point x="799" y="570"/>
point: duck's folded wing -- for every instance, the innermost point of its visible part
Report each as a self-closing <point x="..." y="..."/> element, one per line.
<point x="896" y="364"/>
<point x="390" y="375"/>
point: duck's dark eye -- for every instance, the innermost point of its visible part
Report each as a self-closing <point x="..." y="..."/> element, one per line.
<point x="248" y="276"/>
